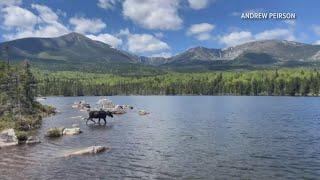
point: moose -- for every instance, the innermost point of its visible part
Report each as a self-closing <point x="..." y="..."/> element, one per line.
<point x="99" y="115"/>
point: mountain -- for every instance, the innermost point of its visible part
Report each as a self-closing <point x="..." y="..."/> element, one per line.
<point x="281" y="50"/>
<point x="197" y="54"/>
<point x="268" y="51"/>
<point x="77" y="52"/>
<point x="74" y="52"/>
<point x="72" y="47"/>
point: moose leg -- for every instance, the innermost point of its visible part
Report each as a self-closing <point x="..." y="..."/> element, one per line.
<point x="99" y="120"/>
<point x="90" y="119"/>
<point x="105" y="121"/>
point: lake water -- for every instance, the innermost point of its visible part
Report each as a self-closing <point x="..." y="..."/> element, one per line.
<point x="183" y="138"/>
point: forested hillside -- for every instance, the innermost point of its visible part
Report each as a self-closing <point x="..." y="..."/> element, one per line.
<point x="284" y="82"/>
<point x="18" y="107"/>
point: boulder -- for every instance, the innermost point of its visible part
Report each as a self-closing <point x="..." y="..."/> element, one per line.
<point x="55" y="132"/>
<point x="33" y="140"/>
<point x="8" y="138"/>
<point x="71" y="131"/>
<point x="88" y="150"/>
<point x="117" y="110"/>
<point x="126" y="106"/>
<point x="143" y="112"/>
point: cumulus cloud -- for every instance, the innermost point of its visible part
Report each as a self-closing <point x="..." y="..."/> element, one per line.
<point x="198" y="4"/>
<point x="153" y="14"/>
<point x="85" y="25"/>
<point x="240" y="37"/>
<point x="143" y="43"/>
<point x="23" y="23"/>
<point x="16" y="17"/>
<point x="106" y="38"/>
<point x="201" y="31"/>
<point x="236" y="38"/>
<point x="107" y="4"/>
<point x="44" y="31"/>
<point x="46" y="14"/>
<point x="317" y="42"/>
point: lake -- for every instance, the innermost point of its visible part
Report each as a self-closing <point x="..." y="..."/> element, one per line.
<point x="184" y="137"/>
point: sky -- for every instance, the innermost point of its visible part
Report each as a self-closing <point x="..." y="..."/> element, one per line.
<point x="160" y="27"/>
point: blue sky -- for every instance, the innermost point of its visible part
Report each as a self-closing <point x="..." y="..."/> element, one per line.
<point x="160" y="28"/>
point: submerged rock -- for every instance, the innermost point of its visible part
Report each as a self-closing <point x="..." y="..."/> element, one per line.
<point x="143" y="112"/>
<point x="71" y="131"/>
<point x="8" y="138"/>
<point x="33" y="140"/>
<point x="88" y="150"/>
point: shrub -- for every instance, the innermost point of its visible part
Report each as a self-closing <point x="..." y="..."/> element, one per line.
<point x="5" y="123"/>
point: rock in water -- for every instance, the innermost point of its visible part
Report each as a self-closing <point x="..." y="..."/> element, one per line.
<point x="8" y="138"/>
<point x="55" y="132"/>
<point x="71" y="131"/>
<point x="33" y="140"/>
<point x="143" y="112"/>
<point x="88" y="150"/>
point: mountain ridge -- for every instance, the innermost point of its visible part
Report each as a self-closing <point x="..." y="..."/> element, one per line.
<point x="78" y="50"/>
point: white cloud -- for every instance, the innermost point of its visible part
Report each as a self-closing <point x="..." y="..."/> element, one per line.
<point x="107" y="4"/>
<point x="23" y="23"/>
<point x="198" y="4"/>
<point x="240" y="37"/>
<point x="201" y="31"/>
<point x="84" y="25"/>
<point x="163" y="54"/>
<point x="276" y="34"/>
<point x="143" y="43"/>
<point x="316" y="29"/>
<point x="200" y="28"/>
<point x="43" y="31"/>
<point x="153" y="14"/>
<point x="317" y="42"/>
<point x="10" y="2"/>
<point x="16" y="17"/>
<point x="46" y="14"/>
<point x="106" y="38"/>
<point x="236" y="38"/>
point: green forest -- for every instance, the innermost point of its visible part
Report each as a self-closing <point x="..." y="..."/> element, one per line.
<point x="274" y="82"/>
<point x="18" y="107"/>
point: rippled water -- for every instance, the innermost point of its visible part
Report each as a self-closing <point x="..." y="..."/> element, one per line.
<point x="182" y="138"/>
